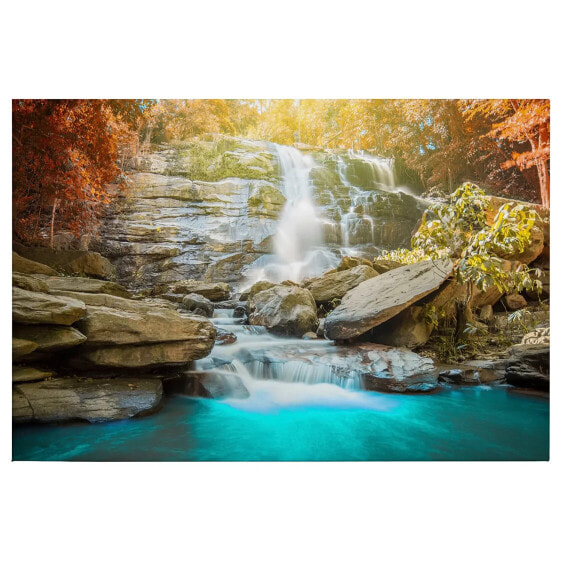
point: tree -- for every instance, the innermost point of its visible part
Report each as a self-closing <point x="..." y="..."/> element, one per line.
<point x="458" y="230"/>
<point x="65" y="153"/>
<point x="524" y="125"/>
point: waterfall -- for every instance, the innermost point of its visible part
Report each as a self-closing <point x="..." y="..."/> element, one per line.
<point x="298" y="251"/>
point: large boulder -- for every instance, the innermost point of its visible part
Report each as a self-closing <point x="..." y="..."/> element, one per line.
<point x="337" y="284"/>
<point x="528" y="366"/>
<point x="83" y="284"/>
<point x="409" y="328"/>
<point x="22" y="265"/>
<point x="71" y="262"/>
<point x="380" y="298"/>
<point x="285" y="310"/>
<point x="72" y="399"/>
<point x="36" y="307"/>
<point x="49" y="338"/>
<point x="214" y="291"/>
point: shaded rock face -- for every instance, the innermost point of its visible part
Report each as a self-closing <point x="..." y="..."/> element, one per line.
<point x="214" y="385"/>
<point x="284" y="310"/>
<point x="49" y="338"/>
<point x="528" y="366"/>
<point x="337" y="284"/>
<point x="470" y="375"/>
<point x="89" y="400"/>
<point x="407" y="329"/>
<point x="29" y="282"/>
<point x="70" y="262"/>
<point x="22" y="265"/>
<point x="29" y="374"/>
<point x="378" y="299"/>
<point x="22" y="347"/>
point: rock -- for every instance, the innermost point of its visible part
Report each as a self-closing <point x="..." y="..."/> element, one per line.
<point x="259" y="287"/>
<point x="105" y="326"/>
<point x="285" y="310"/>
<point x="50" y="338"/>
<point x="83" y="284"/>
<point x="335" y="285"/>
<point x="22" y="347"/>
<point x="399" y="370"/>
<point x="29" y="374"/>
<point x="384" y="265"/>
<point x="36" y="307"/>
<point x="528" y="366"/>
<point x="215" y="385"/>
<point x="265" y="200"/>
<point x="462" y="374"/>
<point x="177" y="353"/>
<point x="378" y="299"/>
<point x="108" y="301"/>
<point x="320" y="330"/>
<point x="198" y="305"/>
<point x="28" y="282"/>
<point x="409" y="329"/>
<point x="214" y="291"/>
<point x="71" y="262"/>
<point x="348" y="262"/>
<point x="239" y="311"/>
<point x="22" y="265"/>
<point x="310" y="335"/>
<point x="486" y="313"/>
<point x="71" y="399"/>
<point x="224" y="337"/>
<point x="515" y="301"/>
<point x="539" y="336"/>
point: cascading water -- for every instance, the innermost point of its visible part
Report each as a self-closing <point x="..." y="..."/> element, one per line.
<point x="298" y="251"/>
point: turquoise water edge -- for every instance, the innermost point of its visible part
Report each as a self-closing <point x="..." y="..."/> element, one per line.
<point x="310" y="423"/>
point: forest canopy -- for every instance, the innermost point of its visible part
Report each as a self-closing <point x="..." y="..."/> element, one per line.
<point x="70" y="156"/>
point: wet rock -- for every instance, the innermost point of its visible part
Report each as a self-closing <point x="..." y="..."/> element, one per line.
<point x="468" y="375"/>
<point x="378" y="299"/>
<point x="528" y="366"/>
<point x="259" y="287"/>
<point x="515" y="301"/>
<point x="399" y="370"/>
<point x="310" y="335"/>
<point x="224" y="337"/>
<point x="336" y="285"/>
<point x="29" y="282"/>
<point x="320" y="331"/>
<point x="285" y="310"/>
<point x="83" y="284"/>
<point x="71" y="399"/>
<point x="22" y="347"/>
<point x="29" y="374"/>
<point x="214" y="385"/>
<point x="214" y="291"/>
<point x="266" y="200"/>
<point x="239" y="311"/>
<point x="22" y="265"/>
<point x="198" y="305"/>
<point x="50" y="338"/>
<point x="37" y="308"/>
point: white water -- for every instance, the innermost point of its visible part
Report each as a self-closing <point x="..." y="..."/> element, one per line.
<point x="298" y="240"/>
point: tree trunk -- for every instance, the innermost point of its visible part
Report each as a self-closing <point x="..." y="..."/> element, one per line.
<point x="542" y="166"/>
<point x="463" y="315"/>
<point x="53" y="222"/>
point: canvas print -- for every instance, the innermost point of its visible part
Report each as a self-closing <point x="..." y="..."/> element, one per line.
<point x="280" y="280"/>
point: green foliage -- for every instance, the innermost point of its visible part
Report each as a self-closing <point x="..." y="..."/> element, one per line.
<point x="458" y="229"/>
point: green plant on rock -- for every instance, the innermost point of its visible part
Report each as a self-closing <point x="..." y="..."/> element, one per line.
<point x="458" y="229"/>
